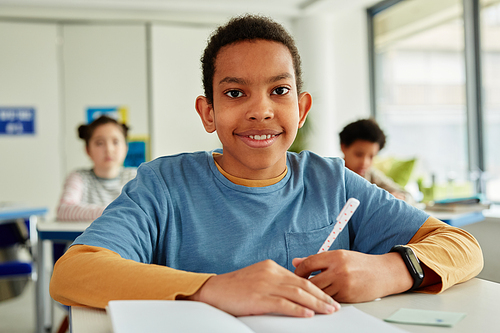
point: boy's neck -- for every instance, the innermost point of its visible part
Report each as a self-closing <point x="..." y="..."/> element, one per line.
<point x="246" y="181"/>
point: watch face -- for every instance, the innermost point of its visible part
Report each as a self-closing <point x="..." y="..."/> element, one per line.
<point x="414" y="261"/>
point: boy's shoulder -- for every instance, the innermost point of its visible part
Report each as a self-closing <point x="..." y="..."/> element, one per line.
<point x="198" y="155"/>
<point x="308" y="160"/>
<point x="181" y="161"/>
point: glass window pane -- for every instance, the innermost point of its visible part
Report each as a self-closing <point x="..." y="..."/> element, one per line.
<point x="420" y="89"/>
<point x="490" y="44"/>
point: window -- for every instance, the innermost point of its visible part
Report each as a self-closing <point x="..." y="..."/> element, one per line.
<point x="420" y="85"/>
<point x="490" y="53"/>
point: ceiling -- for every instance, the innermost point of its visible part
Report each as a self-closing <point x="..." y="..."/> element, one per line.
<point x="285" y="8"/>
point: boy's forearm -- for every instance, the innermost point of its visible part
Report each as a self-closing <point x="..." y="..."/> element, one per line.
<point x="92" y="276"/>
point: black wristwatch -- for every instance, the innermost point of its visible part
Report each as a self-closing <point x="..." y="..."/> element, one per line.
<point x="412" y="263"/>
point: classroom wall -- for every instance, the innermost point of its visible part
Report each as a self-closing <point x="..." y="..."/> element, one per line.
<point x="176" y="82"/>
<point x="313" y="37"/>
<point x="30" y="165"/>
<point x="350" y="62"/>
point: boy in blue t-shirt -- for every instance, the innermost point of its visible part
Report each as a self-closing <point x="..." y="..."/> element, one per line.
<point x="239" y="228"/>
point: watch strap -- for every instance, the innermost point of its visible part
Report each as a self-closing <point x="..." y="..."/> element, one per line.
<point x="412" y="264"/>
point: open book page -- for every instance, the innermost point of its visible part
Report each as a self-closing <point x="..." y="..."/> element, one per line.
<point x="171" y="316"/>
<point x="187" y="316"/>
<point x="348" y="319"/>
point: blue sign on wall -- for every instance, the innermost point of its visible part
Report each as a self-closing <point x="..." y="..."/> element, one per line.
<point x="118" y="113"/>
<point x="17" y="120"/>
<point x="136" y="154"/>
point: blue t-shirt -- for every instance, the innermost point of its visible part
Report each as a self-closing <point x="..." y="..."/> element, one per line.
<point x="180" y="211"/>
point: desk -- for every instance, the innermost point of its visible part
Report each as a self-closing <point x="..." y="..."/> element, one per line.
<point x="477" y="298"/>
<point x="47" y="233"/>
<point x="13" y="213"/>
<point x="457" y="219"/>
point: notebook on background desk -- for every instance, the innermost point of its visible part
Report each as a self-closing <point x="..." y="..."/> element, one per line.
<point x="188" y="316"/>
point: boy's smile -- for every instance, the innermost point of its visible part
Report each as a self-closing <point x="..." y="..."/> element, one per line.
<point x="256" y="110"/>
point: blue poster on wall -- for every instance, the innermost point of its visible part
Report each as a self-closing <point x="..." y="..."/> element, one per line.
<point x="138" y="150"/>
<point x="17" y="120"/>
<point x="118" y="113"/>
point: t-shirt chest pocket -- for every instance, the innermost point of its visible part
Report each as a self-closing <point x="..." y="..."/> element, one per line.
<point x="306" y="243"/>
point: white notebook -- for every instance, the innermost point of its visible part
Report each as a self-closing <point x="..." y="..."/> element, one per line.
<point x="188" y="316"/>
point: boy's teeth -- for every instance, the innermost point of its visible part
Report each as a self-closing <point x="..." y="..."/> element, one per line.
<point x="261" y="137"/>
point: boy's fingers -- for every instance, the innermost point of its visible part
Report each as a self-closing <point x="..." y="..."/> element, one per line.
<point x="307" y="295"/>
<point x="301" y="307"/>
<point x="311" y="264"/>
<point x="266" y="287"/>
<point x="285" y="307"/>
<point x="297" y="261"/>
<point x="331" y="290"/>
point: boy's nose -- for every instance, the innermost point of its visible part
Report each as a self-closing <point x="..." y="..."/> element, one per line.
<point x="260" y="109"/>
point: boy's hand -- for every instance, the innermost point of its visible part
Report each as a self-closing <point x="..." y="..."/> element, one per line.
<point x="265" y="287"/>
<point x="351" y="277"/>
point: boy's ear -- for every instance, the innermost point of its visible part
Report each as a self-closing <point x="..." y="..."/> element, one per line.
<point x="206" y="113"/>
<point x="305" y="104"/>
<point x="343" y="148"/>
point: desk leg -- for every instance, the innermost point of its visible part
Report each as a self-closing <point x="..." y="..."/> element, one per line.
<point x="43" y="300"/>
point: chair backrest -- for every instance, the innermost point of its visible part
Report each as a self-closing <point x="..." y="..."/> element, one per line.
<point x="15" y="269"/>
<point x="15" y="232"/>
<point x="15" y="266"/>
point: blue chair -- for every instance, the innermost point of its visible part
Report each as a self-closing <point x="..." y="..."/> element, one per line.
<point x="14" y="271"/>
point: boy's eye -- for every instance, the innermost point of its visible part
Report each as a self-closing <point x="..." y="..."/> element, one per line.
<point x="281" y="91"/>
<point x="234" y="93"/>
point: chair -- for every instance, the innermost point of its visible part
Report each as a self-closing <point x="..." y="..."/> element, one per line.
<point x="15" y="258"/>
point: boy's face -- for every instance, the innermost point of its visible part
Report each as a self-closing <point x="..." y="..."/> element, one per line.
<point x="359" y="155"/>
<point x="256" y="110"/>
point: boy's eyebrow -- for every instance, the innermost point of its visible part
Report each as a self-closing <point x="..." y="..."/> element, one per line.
<point x="232" y="79"/>
<point x="282" y="76"/>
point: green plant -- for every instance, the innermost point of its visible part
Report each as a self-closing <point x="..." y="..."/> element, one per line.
<point x="300" y="142"/>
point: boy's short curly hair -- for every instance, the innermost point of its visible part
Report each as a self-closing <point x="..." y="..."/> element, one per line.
<point x="242" y="28"/>
<point x="364" y="129"/>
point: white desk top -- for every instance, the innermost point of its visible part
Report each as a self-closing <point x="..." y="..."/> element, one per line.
<point x="63" y="226"/>
<point x="477" y="298"/>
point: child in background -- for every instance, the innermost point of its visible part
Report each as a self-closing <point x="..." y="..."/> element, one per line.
<point x="360" y="142"/>
<point x="87" y="192"/>
<point x="239" y="228"/>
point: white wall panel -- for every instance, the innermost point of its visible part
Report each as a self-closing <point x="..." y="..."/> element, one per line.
<point x="176" y="77"/>
<point x="30" y="165"/>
